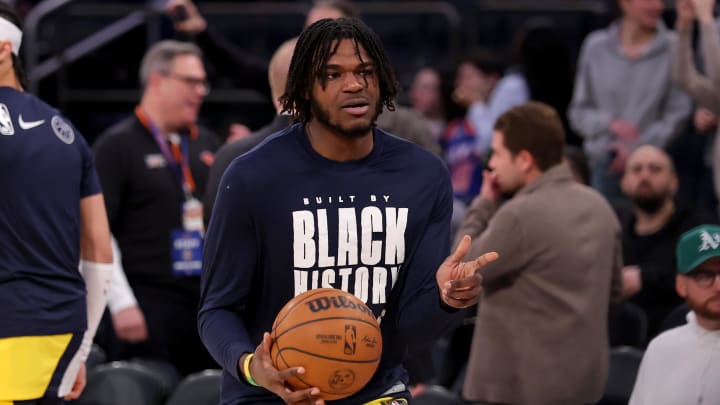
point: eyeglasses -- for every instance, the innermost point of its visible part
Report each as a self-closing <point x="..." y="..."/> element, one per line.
<point x="704" y="279"/>
<point x="191" y="81"/>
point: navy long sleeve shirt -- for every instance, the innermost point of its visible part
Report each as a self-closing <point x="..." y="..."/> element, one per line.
<point x="287" y="220"/>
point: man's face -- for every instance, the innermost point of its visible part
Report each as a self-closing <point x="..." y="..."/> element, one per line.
<point x="183" y="90"/>
<point x="350" y="102"/>
<point x="646" y="13"/>
<point x="507" y="169"/>
<point x="649" y="180"/>
<point x="703" y="299"/>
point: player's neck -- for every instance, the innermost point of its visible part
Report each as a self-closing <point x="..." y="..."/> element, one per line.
<point x="338" y="147"/>
<point x="8" y="79"/>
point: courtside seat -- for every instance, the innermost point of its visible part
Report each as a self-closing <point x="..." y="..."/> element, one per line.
<point x="202" y="388"/>
<point x="122" y="383"/>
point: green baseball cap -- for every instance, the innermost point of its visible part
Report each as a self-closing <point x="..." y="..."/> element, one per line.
<point x="697" y="245"/>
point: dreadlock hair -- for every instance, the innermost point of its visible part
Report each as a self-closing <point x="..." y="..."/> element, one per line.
<point x="7" y="12"/>
<point x="316" y="44"/>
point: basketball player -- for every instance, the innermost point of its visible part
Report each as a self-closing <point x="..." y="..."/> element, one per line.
<point x="332" y="202"/>
<point x="52" y="215"/>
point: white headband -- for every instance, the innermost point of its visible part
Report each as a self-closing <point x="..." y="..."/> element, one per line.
<point x="10" y="32"/>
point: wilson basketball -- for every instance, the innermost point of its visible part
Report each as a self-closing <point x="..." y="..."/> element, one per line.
<point x="334" y="336"/>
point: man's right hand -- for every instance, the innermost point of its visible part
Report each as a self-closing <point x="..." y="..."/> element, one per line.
<point x="129" y="325"/>
<point x="490" y="189"/>
<point x="267" y="376"/>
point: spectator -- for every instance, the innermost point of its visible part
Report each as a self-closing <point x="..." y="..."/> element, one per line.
<point x="682" y="365"/>
<point x="485" y="92"/>
<point x="651" y="231"/>
<point x="333" y="167"/>
<point x="153" y="166"/>
<point x="623" y="95"/>
<point x="426" y="98"/>
<point x="482" y="87"/>
<point x="52" y="219"/>
<point x="541" y="330"/>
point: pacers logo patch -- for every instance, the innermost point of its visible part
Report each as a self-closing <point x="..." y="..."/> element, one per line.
<point x="62" y="130"/>
<point x="6" y="125"/>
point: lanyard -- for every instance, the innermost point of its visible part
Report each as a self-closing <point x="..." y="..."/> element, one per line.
<point x="177" y="155"/>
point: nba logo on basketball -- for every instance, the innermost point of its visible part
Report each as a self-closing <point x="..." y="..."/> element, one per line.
<point x="350" y="339"/>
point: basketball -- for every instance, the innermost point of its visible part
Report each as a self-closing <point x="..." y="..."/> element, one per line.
<point x="334" y="336"/>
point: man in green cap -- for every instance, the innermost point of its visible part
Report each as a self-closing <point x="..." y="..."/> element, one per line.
<point x="688" y="356"/>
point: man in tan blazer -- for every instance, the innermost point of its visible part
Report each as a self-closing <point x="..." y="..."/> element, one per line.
<point x="541" y="330"/>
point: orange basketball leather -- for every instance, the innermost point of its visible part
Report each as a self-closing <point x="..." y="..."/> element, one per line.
<point x="334" y="336"/>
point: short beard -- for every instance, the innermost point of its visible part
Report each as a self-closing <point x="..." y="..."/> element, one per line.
<point x="323" y="117"/>
<point x="649" y="205"/>
<point x="703" y="309"/>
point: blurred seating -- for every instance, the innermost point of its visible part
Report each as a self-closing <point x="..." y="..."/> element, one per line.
<point x="627" y="325"/>
<point x="123" y="383"/>
<point x="164" y="371"/>
<point x="624" y="365"/>
<point x="677" y="317"/>
<point x="201" y="388"/>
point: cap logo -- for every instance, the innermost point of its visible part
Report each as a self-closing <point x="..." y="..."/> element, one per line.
<point x="709" y="241"/>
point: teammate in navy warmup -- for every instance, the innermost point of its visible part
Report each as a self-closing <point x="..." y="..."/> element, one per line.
<point x="334" y="202"/>
<point x="52" y="218"/>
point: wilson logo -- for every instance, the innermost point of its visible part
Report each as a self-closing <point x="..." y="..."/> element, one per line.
<point x="325" y="303"/>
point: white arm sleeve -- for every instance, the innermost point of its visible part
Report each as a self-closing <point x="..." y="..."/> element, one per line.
<point x="120" y="295"/>
<point x="97" y="281"/>
<point x="97" y="278"/>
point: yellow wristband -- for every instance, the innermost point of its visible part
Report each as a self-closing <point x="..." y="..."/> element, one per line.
<point x="246" y="370"/>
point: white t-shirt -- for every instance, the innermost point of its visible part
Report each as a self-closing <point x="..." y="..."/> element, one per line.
<point x="680" y="367"/>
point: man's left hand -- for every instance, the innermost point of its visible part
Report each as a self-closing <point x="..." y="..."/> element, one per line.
<point x="460" y="283"/>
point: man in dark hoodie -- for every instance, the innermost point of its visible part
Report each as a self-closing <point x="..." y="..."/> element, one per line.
<point x="650" y="233"/>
